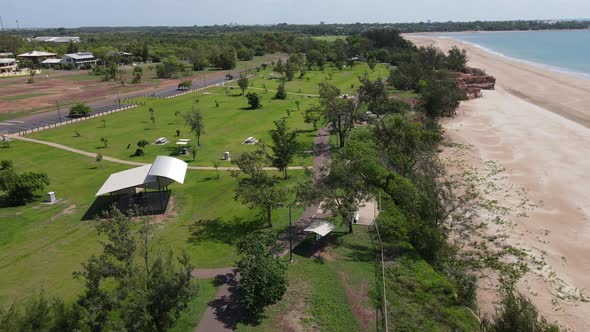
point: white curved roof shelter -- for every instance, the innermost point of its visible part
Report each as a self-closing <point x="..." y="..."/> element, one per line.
<point x="164" y="171"/>
<point x="320" y="227"/>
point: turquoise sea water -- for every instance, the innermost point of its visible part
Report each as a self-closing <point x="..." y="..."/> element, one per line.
<point x="566" y="51"/>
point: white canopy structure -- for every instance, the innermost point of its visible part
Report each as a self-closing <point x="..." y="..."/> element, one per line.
<point x="321" y="228"/>
<point x="164" y="171"/>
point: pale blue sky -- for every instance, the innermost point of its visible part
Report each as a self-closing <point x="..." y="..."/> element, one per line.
<point x="74" y="13"/>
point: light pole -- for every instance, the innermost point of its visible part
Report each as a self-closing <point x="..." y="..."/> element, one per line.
<point x="290" y="232"/>
<point x="290" y="237"/>
<point x="58" y="112"/>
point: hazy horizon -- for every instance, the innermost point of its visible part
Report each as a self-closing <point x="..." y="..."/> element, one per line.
<point x="84" y="13"/>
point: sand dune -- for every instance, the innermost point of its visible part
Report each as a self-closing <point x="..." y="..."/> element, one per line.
<point x="536" y="124"/>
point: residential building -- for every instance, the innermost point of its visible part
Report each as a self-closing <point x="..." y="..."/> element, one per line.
<point x="7" y="65"/>
<point x="82" y="59"/>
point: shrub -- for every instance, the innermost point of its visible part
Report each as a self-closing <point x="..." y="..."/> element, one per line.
<point x="80" y="109"/>
<point x="20" y="188"/>
<point x="518" y="313"/>
<point x="253" y="100"/>
<point x="281" y="92"/>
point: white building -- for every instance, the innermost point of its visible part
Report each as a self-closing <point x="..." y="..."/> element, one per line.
<point x="57" y="39"/>
<point x="82" y="59"/>
<point x="7" y="65"/>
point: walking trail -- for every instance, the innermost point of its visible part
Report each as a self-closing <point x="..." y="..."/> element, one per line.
<point x="135" y="163"/>
<point x="223" y="312"/>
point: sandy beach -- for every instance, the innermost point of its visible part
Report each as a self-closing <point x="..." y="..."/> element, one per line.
<point x="536" y="125"/>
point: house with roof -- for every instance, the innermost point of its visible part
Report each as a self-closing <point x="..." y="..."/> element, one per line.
<point x="7" y="65"/>
<point x="82" y="59"/>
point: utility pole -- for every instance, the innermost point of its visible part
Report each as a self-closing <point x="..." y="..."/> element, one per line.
<point x="1" y="23"/>
<point x="290" y="237"/>
<point x="58" y="112"/>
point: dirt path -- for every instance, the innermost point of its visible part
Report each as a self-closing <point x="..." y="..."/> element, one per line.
<point x="321" y="152"/>
<point x="135" y="163"/>
<point x="223" y="312"/>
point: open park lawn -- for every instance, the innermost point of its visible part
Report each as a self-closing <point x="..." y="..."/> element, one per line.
<point x="332" y="287"/>
<point x="41" y="245"/>
<point x="226" y="114"/>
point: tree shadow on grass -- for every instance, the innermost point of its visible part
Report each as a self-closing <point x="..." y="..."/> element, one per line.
<point x="229" y="307"/>
<point x="220" y="230"/>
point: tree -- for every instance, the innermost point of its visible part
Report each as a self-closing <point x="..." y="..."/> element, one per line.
<point x="72" y="48"/>
<point x="263" y="277"/>
<point x="257" y="190"/>
<point x="99" y="159"/>
<point x="441" y="97"/>
<point x="152" y="116"/>
<point x="140" y="146"/>
<point x="6" y="164"/>
<point x="20" y="188"/>
<point x="194" y="120"/>
<point x="169" y="68"/>
<point x="147" y="288"/>
<point x="80" y="109"/>
<point x="225" y="59"/>
<point x="216" y="165"/>
<point x="253" y="100"/>
<point x="281" y="91"/>
<point x="285" y="145"/>
<point x="402" y="142"/>
<point x="341" y="188"/>
<point x="339" y="112"/>
<point x="518" y="313"/>
<point x="372" y="92"/>
<point x="243" y="83"/>
<point x="245" y="54"/>
<point x="137" y="74"/>
<point x="313" y="115"/>
<point x="457" y="59"/>
<point x="408" y="75"/>
<point x="372" y="62"/>
<point x="145" y="51"/>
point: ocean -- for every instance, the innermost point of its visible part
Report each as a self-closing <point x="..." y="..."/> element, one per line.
<point x="565" y="51"/>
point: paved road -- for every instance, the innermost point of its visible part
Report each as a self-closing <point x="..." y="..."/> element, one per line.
<point x="109" y="104"/>
<point x="223" y="312"/>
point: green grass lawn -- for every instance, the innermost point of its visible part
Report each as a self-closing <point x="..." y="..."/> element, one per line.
<point x="226" y="126"/>
<point x="331" y="293"/>
<point x="41" y="245"/>
<point x="191" y="316"/>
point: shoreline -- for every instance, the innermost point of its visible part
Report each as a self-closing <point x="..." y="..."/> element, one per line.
<point x="562" y="93"/>
<point x="556" y="69"/>
<point x="536" y="127"/>
<point x="541" y="65"/>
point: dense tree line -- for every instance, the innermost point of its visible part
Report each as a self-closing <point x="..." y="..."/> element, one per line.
<point x="322" y="29"/>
